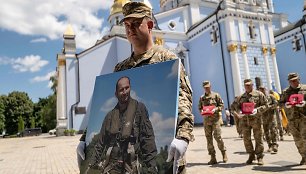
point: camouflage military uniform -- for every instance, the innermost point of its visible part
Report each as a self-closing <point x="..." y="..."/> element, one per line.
<point x="249" y="122"/>
<point x="185" y="120"/>
<point x="211" y="123"/>
<point x="296" y="118"/>
<point x="269" y="124"/>
<point x="235" y="108"/>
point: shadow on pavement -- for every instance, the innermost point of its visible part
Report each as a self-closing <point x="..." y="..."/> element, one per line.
<point x="220" y="165"/>
<point x="195" y="164"/>
<point x="229" y="165"/>
<point x="278" y="168"/>
<point x="241" y="153"/>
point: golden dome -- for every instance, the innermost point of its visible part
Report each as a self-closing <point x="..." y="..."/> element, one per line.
<point x="117" y="6"/>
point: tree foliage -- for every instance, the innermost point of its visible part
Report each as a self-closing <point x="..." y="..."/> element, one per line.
<point x="20" y="124"/>
<point x="49" y="113"/>
<point x="17" y="104"/>
<point x="2" y="110"/>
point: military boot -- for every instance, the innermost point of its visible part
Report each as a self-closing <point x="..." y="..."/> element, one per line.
<point x="224" y="156"/>
<point x="251" y="158"/>
<point x="275" y="148"/>
<point x="260" y="159"/>
<point x="303" y="161"/>
<point x="270" y="149"/>
<point x="213" y="160"/>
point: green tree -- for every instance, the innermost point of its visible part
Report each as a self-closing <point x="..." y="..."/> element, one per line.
<point x="32" y="122"/>
<point x="49" y="113"/>
<point x="20" y="124"/>
<point x="17" y="104"/>
<point x="38" y="114"/>
<point x="2" y="110"/>
<point x="53" y="79"/>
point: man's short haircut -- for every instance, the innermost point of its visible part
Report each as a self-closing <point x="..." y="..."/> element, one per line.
<point x="122" y="78"/>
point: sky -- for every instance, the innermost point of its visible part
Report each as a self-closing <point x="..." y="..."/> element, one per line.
<point x="156" y="86"/>
<point x="31" y="35"/>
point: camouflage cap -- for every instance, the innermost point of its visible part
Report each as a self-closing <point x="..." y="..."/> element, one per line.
<point x="261" y="87"/>
<point x="293" y="76"/>
<point x="248" y="81"/>
<point x="136" y="10"/>
<point x="206" y="84"/>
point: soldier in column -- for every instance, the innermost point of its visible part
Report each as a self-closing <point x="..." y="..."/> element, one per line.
<point x="252" y="121"/>
<point x="212" y="126"/>
<point x="278" y="116"/>
<point x="234" y="109"/>
<point x="269" y="121"/>
<point x="296" y="112"/>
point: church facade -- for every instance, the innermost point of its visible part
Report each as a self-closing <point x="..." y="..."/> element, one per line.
<point x="224" y="42"/>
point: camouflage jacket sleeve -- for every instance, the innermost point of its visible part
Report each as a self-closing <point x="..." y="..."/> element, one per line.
<point x="185" y="120"/>
<point x="220" y="103"/>
<point x="200" y="105"/>
<point x="262" y="103"/>
<point x="283" y="98"/>
<point x="273" y="102"/>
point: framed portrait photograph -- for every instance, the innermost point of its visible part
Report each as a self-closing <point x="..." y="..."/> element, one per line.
<point x="132" y="120"/>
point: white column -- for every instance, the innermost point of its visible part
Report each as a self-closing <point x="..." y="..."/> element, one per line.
<point x="245" y="62"/>
<point x="275" y="68"/>
<point x="61" y="89"/>
<point x="195" y="11"/>
<point x="267" y="67"/>
<point x="235" y="69"/>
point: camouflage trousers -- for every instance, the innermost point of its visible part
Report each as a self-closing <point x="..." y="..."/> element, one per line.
<point x="247" y="124"/>
<point x="210" y="131"/>
<point x="279" y="123"/>
<point x="238" y="125"/>
<point x="270" y="129"/>
<point x="297" y="128"/>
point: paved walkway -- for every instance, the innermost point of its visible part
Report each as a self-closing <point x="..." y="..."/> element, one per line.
<point x="49" y="154"/>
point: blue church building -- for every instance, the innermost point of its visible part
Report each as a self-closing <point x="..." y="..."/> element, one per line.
<point x="224" y="42"/>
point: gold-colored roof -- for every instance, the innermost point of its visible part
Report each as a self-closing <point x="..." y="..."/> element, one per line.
<point x="69" y="31"/>
<point x="117" y="6"/>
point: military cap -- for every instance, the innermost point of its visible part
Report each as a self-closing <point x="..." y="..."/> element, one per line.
<point x="248" y="81"/>
<point x="206" y="84"/>
<point x="136" y="10"/>
<point x="261" y="87"/>
<point x="293" y="76"/>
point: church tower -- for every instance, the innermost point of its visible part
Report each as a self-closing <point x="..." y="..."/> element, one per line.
<point x="116" y="12"/>
<point x="69" y="51"/>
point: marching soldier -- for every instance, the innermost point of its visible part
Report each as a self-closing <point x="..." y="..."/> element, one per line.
<point x="253" y="121"/>
<point x="296" y="112"/>
<point x="211" y="122"/>
<point x="278" y="116"/>
<point x="269" y="122"/>
<point x="234" y="108"/>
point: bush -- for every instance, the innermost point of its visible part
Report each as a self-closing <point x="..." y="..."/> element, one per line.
<point x="72" y="132"/>
<point x="66" y="132"/>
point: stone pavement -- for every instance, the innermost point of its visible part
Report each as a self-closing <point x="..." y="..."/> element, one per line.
<point x="285" y="161"/>
<point x="42" y="154"/>
<point x="57" y="155"/>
